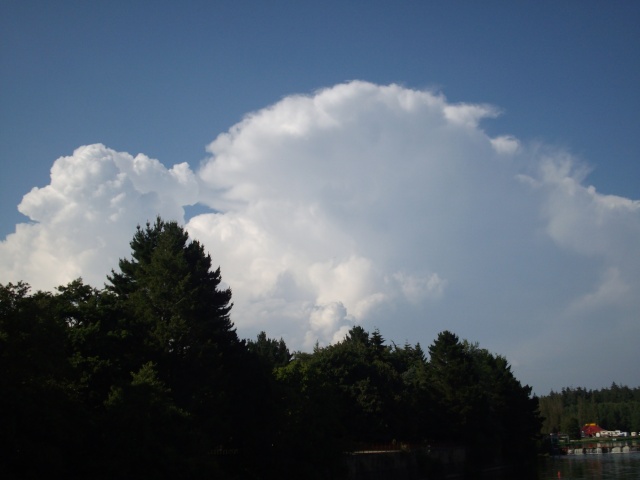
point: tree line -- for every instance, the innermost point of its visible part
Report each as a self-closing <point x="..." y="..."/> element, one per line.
<point x="147" y="377"/>
<point x="613" y="408"/>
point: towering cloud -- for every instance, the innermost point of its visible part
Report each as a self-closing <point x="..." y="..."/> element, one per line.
<point x="374" y="205"/>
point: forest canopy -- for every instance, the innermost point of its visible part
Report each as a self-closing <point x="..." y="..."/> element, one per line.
<point x="148" y="377"/>
<point x="613" y="408"/>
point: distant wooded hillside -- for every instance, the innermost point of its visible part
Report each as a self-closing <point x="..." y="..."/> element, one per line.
<point x="613" y="408"/>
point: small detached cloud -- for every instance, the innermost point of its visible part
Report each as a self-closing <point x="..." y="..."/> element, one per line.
<point x="374" y="205"/>
<point x="505" y="144"/>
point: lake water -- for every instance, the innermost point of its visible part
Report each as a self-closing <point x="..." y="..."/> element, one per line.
<point x="606" y="466"/>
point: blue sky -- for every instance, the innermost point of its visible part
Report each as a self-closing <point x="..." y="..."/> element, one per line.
<point x="165" y="79"/>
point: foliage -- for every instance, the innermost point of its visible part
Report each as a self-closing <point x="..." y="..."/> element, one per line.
<point x="39" y="409"/>
<point x="272" y="353"/>
<point x="148" y="378"/>
<point x="613" y="408"/>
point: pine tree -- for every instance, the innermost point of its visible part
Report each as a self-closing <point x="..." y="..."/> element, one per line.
<point x="178" y="313"/>
<point x="171" y="288"/>
<point x="454" y="384"/>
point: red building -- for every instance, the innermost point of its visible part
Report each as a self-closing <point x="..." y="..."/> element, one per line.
<point x="590" y="430"/>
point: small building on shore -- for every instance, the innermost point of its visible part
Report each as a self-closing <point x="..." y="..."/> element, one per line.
<point x="591" y="430"/>
<point x="595" y="430"/>
<point x="612" y="433"/>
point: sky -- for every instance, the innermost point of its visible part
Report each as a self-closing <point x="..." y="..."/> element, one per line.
<point x="407" y="166"/>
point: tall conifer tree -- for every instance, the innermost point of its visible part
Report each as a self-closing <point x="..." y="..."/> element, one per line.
<point x="175" y="306"/>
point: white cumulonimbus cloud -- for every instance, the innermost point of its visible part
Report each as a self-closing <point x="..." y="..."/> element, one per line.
<point x="374" y="205"/>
